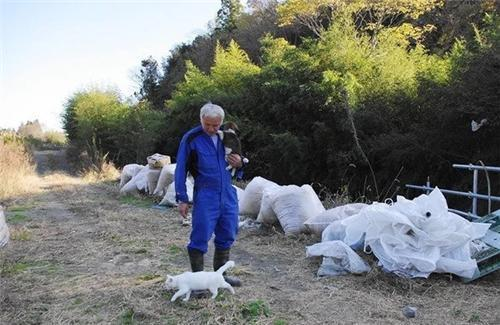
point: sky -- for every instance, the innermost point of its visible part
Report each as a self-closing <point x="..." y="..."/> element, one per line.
<point x="51" y="49"/>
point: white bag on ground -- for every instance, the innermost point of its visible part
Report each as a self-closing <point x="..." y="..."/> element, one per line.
<point x="169" y="197"/>
<point x="414" y="238"/>
<point x="251" y="200"/>
<point x="166" y="177"/>
<point x="138" y="182"/>
<point x="152" y="177"/>
<point x="4" y="230"/>
<point x="128" y="172"/>
<point x="239" y="192"/>
<point x="318" y="223"/>
<point x="266" y="213"/>
<point x="338" y="258"/>
<point x="293" y="205"/>
<point x="157" y="160"/>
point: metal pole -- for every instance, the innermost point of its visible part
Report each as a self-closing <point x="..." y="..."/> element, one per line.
<point x="478" y="167"/>
<point x="465" y="194"/>
<point x="474" y="191"/>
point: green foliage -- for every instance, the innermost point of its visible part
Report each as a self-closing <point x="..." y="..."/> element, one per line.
<point x="255" y="309"/>
<point x="228" y="15"/>
<point x="99" y="123"/>
<point x="17" y="218"/>
<point x="377" y="90"/>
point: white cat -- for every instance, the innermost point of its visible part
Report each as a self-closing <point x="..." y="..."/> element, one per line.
<point x="189" y="281"/>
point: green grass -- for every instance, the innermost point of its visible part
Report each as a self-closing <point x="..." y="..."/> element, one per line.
<point x="174" y="249"/>
<point x="17" y="218"/>
<point x="140" y="202"/>
<point x="127" y="317"/>
<point x="20" y="208"/>
<point x="280" y="322"/>
<point x="40" y="267"/>
<point x="474" y="318"/>
<point x="255" y="309"/>
<point x="147" y="277"/>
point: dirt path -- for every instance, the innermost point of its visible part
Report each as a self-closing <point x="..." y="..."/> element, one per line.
<point x="50" y="161"/>
<point x="82" y="254"/>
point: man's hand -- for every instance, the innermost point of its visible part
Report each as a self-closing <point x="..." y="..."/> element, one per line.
<point x="183" y="209"/>
<point x="234" y="160"/>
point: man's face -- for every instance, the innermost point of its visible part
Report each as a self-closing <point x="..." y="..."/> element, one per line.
<point x="211" y="124"/>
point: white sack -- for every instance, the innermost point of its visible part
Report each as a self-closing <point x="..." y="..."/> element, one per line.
<point x="128" y="172"/>
<point x="266" y="212"/>
<point x="166" y="177"/>
<point x="4" y="230"/>
<point x="338" y="258"/>
<point x="138" y="182"/>
<point x="169" y="197"/>
<point x="251" y="200"/>
<point x="293" y="205"/>
<point x="152" y="177"/>
<point x="239" y="192"/>
<point x="414" y="238"/>
<point x="318" y="223"/>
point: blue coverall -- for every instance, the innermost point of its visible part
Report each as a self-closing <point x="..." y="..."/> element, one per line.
<point x="215" y="203"/>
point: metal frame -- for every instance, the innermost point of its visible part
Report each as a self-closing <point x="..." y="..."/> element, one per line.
<point x="471" y="195"/>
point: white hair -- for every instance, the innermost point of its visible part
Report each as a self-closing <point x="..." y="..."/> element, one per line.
<point x="211" y="110"/>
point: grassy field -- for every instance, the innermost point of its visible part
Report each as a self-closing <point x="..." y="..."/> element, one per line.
<point x="80" y="253"/>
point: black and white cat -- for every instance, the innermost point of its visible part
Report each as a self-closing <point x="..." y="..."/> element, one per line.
<point x="231" y="141"/>
<point x="189" y="281"/>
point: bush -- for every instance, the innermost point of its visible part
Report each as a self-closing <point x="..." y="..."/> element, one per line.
<point x="16" y="169"/>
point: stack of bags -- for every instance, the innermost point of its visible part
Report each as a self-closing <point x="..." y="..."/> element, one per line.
<point x="289" y="205"/>
<point x="156" y="178"/>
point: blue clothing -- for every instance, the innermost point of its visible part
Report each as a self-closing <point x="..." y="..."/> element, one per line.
<point x="215" y="203"/>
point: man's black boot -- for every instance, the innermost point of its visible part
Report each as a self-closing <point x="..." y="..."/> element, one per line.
<point x="196" y="260"/>
<point x="221" y="256"/>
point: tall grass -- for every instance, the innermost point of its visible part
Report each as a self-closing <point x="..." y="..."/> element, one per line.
<point x="17" y="172"/>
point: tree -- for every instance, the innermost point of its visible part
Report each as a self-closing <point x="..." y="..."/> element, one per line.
<point x="370" y="16"/>
<point x="149" y="80"/>
<point x="227" y="15"/>
<point x="31" y="129"/>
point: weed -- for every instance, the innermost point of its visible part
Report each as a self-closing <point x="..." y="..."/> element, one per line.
<point x="174" y="249"/>
<point x="41" y="267"/>
<point x="17" y="218"/>
<point x="140" y="202"/>
<point x="255" y="309"/>
<point x="474" y="318"/>
<point x="147" y="277"/>
<point x="280" y="322"/>
<point x="20" y="208"/>
<point x="127" y="317"/>
<point x="20" y="234"/>
<point x="12" y="269"/>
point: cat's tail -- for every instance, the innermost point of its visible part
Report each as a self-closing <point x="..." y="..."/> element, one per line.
<point x="226" y="266"/>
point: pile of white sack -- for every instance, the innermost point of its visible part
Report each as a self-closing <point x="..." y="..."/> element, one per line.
<point x="155" y="179"/>
<point x="288" y="205"/>
<point x="411" y="238"/>
<point x="4" y="230"/>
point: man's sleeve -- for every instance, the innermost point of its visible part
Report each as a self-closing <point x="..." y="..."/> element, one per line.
<point x="181" y="171"/>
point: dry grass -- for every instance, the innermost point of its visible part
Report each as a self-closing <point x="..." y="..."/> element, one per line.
<point x="105" y="172"/>
<point x="17" y="171"/>
<point x="93" y="258"/>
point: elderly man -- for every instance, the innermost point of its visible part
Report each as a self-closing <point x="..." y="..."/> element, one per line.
<point x="215" y="208"/>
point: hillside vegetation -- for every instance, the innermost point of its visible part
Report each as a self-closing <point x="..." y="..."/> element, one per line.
<point x="353" y="96"/>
